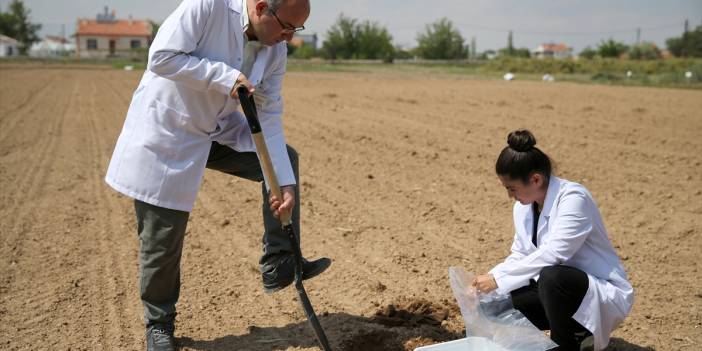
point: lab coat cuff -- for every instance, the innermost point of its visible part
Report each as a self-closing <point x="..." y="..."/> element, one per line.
<point x="506" y="283"/>
<point x="225" y="84"/>
<point x="496" y="270"/>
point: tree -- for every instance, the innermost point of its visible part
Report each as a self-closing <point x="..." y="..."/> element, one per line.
<point x="644" y="51"/>
<point x="511" y="51"/>
<point x="154" y="30"/>
<point x="349" y="39"/>
<point x="510" y="45"/>
<point x="7" y="24"/>
<point x="687" y="45"/>
<point x="611" y="48"/>
<point x="676" y="46"/>
<point x="441" y="41"/>
<point x="374" y="42"/>
<point x="341" y="39"/>
<point x="588" y="53"/>
<point x="15" y="24"/>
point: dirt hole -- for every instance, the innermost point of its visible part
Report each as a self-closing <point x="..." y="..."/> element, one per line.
<point x="404" y="325"/>
<point x="411" y="313"/>
<point x="379" y="340"/>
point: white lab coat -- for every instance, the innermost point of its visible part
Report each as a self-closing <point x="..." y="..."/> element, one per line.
<point x="182" y="104"/>
<point x="570" y="232"/>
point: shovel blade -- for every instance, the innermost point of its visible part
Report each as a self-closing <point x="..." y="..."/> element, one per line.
<point x="304" y="300"/>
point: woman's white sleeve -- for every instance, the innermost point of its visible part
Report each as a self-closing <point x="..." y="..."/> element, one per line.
<point x="570" y="227"/>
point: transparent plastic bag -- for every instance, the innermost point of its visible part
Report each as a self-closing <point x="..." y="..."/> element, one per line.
<point x="492" y="316"/>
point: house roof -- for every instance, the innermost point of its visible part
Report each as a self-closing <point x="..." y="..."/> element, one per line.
<point x="8" y="40"/>
<point x="119" y="28"/>
<point x="553" y="47"/>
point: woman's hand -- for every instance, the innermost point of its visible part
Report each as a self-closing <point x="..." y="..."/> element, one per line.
<point x="484" y="283"/>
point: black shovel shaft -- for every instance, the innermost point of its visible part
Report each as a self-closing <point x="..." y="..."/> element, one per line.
<point x="304" y="300"/>
<point x="249" y="107"/>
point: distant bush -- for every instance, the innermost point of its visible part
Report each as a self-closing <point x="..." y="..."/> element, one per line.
<point x="678" y="76"/>
<point x="606" y="76"/>
<point x="588" y="53"/>
<point x="522" y="65"/>
<point x="593" y="66"/>
<point x="514" y="52"/>
<point x="402" y="54"/>
<point x="644" y="51"/>
<point x="611" y="48"/>
<point x="304" y="52"/>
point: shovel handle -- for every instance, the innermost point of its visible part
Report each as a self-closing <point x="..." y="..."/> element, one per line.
<point x="249" y="107"/>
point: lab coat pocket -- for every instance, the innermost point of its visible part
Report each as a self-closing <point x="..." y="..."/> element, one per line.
<point x="164" y="130"/>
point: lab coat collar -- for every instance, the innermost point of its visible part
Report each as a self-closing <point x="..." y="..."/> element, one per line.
<point x="259" y="65"/>
<point x="237" y="5"/>
<point x="243" y="9"/>
<point x="240" y="6"/>
<point x="554" y="183"/>
<point x="245" y="21"/>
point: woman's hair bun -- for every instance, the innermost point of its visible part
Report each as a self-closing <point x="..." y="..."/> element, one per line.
<point x="521" y="140"/>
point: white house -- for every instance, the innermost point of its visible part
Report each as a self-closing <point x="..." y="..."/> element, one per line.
<point x="52" y="46"/>
<point x="553" y="50"/>
<point x="107" y="36"/>
<point x="8" y="47"/>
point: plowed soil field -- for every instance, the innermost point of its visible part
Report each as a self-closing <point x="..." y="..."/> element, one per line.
<point x="398" y="184"/>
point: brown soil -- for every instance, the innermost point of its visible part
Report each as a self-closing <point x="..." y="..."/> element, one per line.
<point x="372" y="341"/>
<point x="414" y="312"/>
<point x="397" y="185"/>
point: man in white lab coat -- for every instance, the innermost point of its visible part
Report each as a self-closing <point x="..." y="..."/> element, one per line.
<point x="184" y="117"/>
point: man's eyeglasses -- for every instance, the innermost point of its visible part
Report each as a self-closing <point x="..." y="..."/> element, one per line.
<point x="288" y="28"/>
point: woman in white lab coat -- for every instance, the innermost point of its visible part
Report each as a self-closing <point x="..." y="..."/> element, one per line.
<point x="563" y="273"/>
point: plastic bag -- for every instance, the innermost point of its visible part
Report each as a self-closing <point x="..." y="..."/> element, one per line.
<point x="492" y="316"/>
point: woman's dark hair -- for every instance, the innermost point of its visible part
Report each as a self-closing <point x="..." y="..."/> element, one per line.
<point x="521" y="158"/>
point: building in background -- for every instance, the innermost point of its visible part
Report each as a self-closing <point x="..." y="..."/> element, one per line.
<point x="106" y="36"/>
<point x="553" y="50"/>
<point x="8" y="47"/>
<point x="304" y="39"/>
<point x="52" y="47"/>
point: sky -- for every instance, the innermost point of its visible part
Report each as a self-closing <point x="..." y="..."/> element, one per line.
<point x="576" y="23"/>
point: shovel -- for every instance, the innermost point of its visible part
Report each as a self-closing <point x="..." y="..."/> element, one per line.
<point x="249" y="107"/>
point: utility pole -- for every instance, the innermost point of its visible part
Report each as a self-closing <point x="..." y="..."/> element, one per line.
<point x="638" y="36"/>
<point x="473" y="49"/>
<point x="687" y="26"/>
<point x="510" y="47"/>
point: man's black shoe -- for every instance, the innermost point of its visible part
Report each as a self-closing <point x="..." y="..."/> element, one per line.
<point x="283" y="273"/>
<point x="159" y="337"/>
